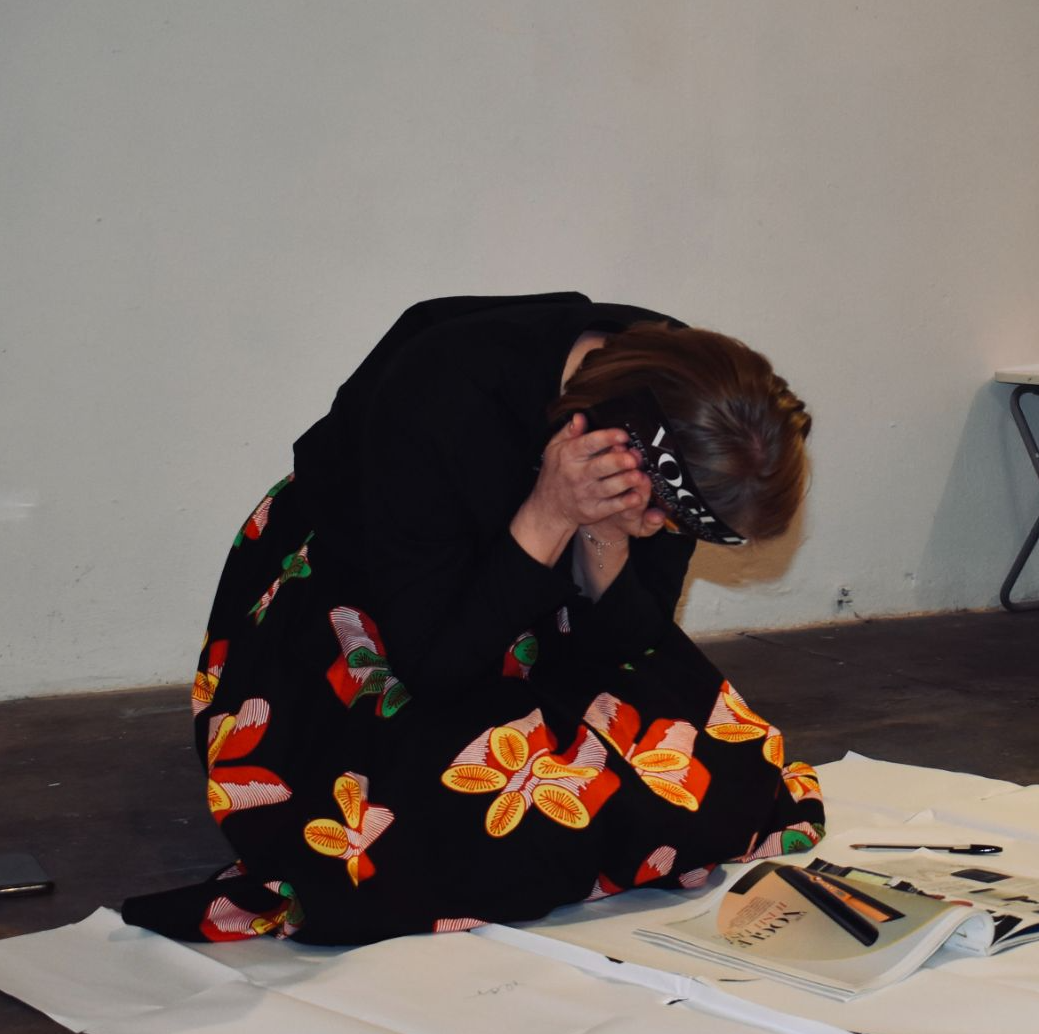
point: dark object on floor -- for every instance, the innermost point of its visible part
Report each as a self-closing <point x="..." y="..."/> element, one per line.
<point x="22" y="874"/>
<point x="106" y="791"/>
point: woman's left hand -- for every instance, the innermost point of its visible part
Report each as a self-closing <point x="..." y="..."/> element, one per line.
<point x="601" y="549"/>
<point x="639" y="520"/>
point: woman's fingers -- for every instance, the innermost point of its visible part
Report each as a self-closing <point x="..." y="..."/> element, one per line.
<point x="611" y="464"/>
<point x="625" y="500"/>
<point x="652" y="521"/>
<point x="592" y="475"/>
<point x="579" y="443"/>
<point x="636" y="523"/>
<point x="630" y="485"/>
<point x="599" y="454"/>
<point x="575" y="427"/>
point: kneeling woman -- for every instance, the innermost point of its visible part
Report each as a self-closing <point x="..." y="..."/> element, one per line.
<point x="442" y="684"/>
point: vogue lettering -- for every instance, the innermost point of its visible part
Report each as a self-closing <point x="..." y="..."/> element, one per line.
<point x="674" y="489"/>
<point x="764" y="927"/>
<point x="665" y="459"/>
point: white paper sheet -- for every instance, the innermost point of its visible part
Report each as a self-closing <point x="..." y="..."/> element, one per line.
<point x="106" y="978"/>
<point x="1014" y="812"/>
<point x="459" y="983"/>
<point x="102" y="969"/>
<point x="1019" y="856"/>
<point x="952" y="994"/>
<point x="657" y="972"/>
<point x="238" y="1008"/>
<point x="899" y="791"/>
<point x="939" y="999"/>
<point x="103" y="977"/>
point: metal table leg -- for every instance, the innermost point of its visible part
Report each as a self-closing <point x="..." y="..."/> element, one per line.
<point x="1033" y="536"/>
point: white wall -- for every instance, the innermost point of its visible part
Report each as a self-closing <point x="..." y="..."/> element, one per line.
<point x="211" y="210"/>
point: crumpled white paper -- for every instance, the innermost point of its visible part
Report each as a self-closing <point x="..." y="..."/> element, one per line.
<point x="104" y="977"/>
<point x="555" y="977"/>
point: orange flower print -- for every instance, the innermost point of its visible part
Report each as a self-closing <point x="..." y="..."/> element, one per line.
<point x="226" y="921"/>
<point x="732" y="721"/>
<point x="615" y="721"/>
<point x="361" y="668"/>
<point x="802" y="782"/>
<point x="515" y="761"/>
<point x="603" y="887"/>
<point x="662" y="758"/>
<point x="238" y="787"/>
<point x="365" y="823"/>
<point x="659" y="863"/>
<point x="295" y="565"/>
<point x="207" y="678"/>
<point x="253" y="527"/>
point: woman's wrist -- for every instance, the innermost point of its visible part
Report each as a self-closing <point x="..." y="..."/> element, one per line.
<point x="542" y="535"/>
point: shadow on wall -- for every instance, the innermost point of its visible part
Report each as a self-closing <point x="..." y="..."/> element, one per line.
<point x="736" y="567"/>
<point x="981" y="515"/>
<point x="986" y="509"/>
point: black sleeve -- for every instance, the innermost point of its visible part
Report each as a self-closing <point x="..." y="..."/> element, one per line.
<point x="444" y="469"/>
<point x="634" y="612"/>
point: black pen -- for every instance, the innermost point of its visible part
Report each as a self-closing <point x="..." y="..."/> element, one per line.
<point x="951" y="848"/>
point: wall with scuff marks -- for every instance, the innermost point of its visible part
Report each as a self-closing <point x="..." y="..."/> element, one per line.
<point x="210" y="211"/>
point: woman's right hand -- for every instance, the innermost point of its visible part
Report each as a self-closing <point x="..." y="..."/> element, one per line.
<point x="585" y="477"/>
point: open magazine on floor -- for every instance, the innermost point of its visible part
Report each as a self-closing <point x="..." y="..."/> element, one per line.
<point x="1012" y="901"/>
<point x="842" y="931"/>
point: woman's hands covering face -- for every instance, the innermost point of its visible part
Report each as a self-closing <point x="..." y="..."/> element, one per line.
<point x="593" y="479"/>
<point x="589" y="481"/>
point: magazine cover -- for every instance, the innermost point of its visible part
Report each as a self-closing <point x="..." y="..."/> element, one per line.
<point x="830" y="934"/>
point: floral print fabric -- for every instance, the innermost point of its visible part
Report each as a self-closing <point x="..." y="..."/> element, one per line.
<point x="358" y="811"/>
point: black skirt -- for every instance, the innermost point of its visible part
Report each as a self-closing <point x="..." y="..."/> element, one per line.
<point x="357" y="812"/>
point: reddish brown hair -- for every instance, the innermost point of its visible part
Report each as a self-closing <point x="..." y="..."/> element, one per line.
<point x="740" y="427"/>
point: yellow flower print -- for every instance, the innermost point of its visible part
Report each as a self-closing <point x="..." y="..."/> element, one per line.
<point x="365" y="823"/>
<point x="516" y="762"/>
<point x="207" y="678"/>
<point x="662" y="758"/>
<point x="732" y="721"/>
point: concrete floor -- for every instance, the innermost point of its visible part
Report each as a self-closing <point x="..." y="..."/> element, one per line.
<point x="106" y="791"/>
